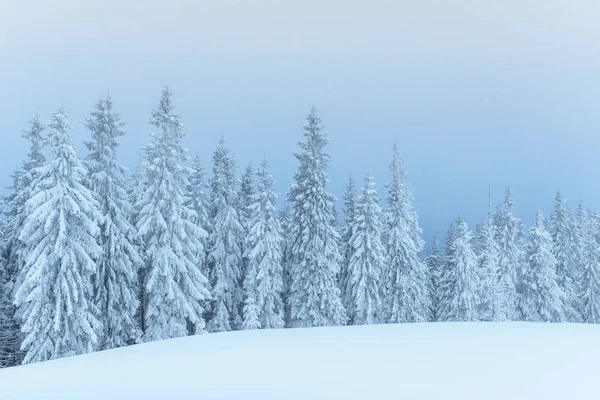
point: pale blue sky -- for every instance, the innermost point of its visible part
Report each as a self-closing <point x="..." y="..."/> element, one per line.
<point x="477" y="93"/>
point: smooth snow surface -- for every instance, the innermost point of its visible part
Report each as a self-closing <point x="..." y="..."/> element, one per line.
<point x="463" y="361"/>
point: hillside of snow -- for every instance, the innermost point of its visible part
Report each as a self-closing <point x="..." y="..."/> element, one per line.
<point x="414" y="361"/>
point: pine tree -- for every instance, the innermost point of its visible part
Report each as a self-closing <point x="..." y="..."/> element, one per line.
<point x="459" y="279"/>
<point x="435" y="268"/>
<point x="590" y="279"/>
<point x="561" y="230"/>
<point x="487" y="267"/>
<point x="366" y="259"/>
<point x="263" y="284"/>
<point x="197" y="196"/>
<point x="9" y="329"/>
<point x="285" y="223"/>
<point x="582" y="234"/>
<point x="246" y="195"/>
<point x="346" y="248"/>
<point x="510" y="256"/>
<point x="405" y="282"/>
<point x="541" y="299"/>
<point x="314" y="254"/>
<point x="116" y="275"/>
<point x="13" y="251"/>
<point x="175" y="287"/>
<point x="59" y="233"/>
<point x="225" y="245"/>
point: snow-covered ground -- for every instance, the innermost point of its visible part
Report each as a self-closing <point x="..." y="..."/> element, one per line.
<point x="418" y="361"/>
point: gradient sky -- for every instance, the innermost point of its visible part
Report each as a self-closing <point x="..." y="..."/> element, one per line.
<point x="476" y="93"/>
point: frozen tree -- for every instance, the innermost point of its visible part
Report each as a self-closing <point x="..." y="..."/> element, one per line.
<point x="246" y="195"/>
<point x="263" y="284"/>
<point x="13" y="249"/>
<point x="10" y="339"/>
<point x="541" y="298"/>
<point x="175" y="288"/>
<point x="435" y="264"/>
<point x="59" y="234"/>
<point x="115" y="280"/>
<point x="314" y="254"/>
<point x="590" y="279"/>
<point x="510" y="256"/>
<point x="487" y="267"/>
<point x="197" y="197"/>
<point x="367" y="257"/>
<point x="582" y="234"/>
<point x="459" y="278"/>
<point x="405" y="281"/>
<point x="346" y="247"/>
<point x="225" y="244"/>
<point x="561" y="229"/>
<point x="285" y="223"/>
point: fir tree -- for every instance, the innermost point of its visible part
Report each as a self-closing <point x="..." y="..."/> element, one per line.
<point x="246" y="195"/>
<point x="225" y="245"/>
<point x="541" y="299"/>
<point x="434" y="267"/>
<point x="263" y="284"/>
<point x="59" y="234"/>
<point x="406" y="282"/>
<point x="285" y="223"/>
<point x="9" y="328"/>
<point x="366" y="259"/>
<point x="13" y="251"/>
<point x="487" y="267"/>
<point x="561" y="230"/>
<point x="582" y="234"/>
<point x="197" y="196"/>
<point x="590" y="279"/>
<point x="459" y="279"/>
<point x="346" y="247"/>
<point x="116" y="275"/>
<point x="510" y="256"/>
<point x="175" y="287"/>
<point x="314" y="255"/>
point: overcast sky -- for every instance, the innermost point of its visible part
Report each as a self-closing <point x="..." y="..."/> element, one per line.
<point x="476" y="93"/>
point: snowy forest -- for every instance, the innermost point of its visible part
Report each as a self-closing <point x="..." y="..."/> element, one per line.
<point x="94" y="257"/>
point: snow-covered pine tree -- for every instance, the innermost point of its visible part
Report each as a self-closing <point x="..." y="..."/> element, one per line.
<point x="263" y="284"/>
<point x="367" y="258"/>
<point x="55" y="297"/>
<point x="434" y="267"/>
<point x="314" y="255"/>
<point x="136" y="192"/>
<point x="487" y="267"/>
<point x="197" y="197"/>
<point x="175" y="288"/>
<point x="582" y="234"/>
<point x="346" y="248"/>
<point x="590" y="279"/>
<point x="405" y="280"/>
<point x="225" y="244"/>
<point x="246" y="195"/>
<point x="561" y="229"/>
<point x="13" y="250"/>
<point x="9" y="328"/>
<point x="115" y="281"/>
<point x="541" y="299"/>
<point x="285" y="223"/>
<point x="245" y="201"/>
<point x="459" y="278"/>
<point x="510" y="256"/>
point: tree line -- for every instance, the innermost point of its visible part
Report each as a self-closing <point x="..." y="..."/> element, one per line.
<point x="95" y="258"/>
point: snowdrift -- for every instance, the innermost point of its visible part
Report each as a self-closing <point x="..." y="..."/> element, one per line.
<point x="409" y="361"/>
